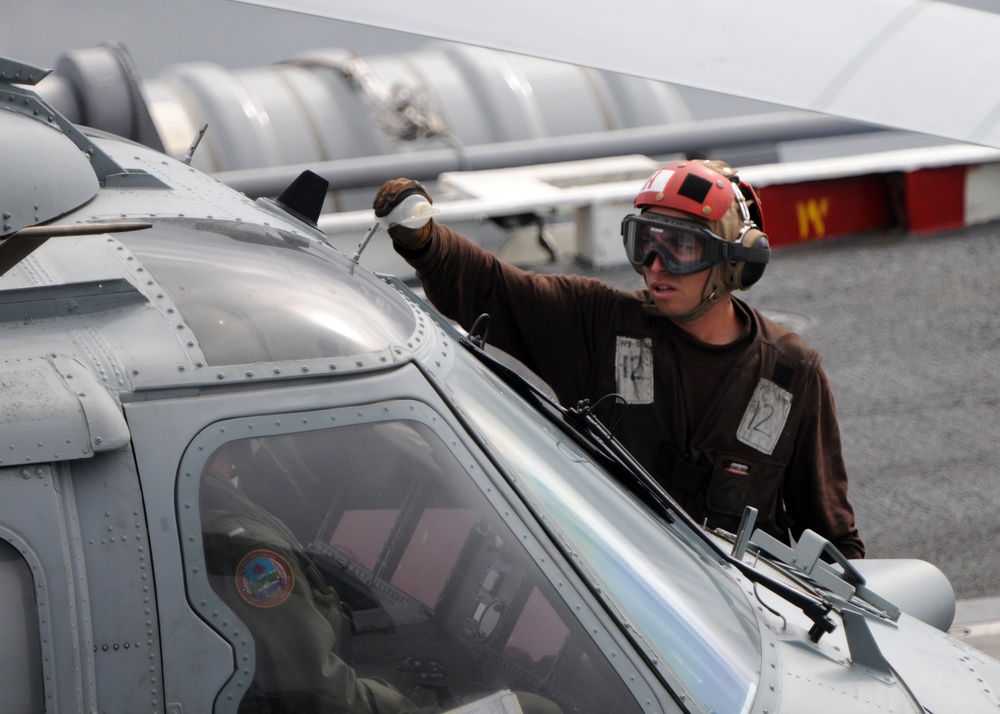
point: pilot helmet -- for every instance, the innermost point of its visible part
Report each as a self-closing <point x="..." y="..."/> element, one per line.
<point x="722" y="229"/>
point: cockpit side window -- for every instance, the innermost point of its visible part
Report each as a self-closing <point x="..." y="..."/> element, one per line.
<point x="21" y="675"/>
<point x="371" y="572"/>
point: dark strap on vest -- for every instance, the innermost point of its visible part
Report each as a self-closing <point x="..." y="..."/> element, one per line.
<point x="680" y="474"/>
<point x="782" y="375"/>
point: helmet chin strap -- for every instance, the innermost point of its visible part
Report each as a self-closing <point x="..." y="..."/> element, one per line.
<point x="715" y="291"/>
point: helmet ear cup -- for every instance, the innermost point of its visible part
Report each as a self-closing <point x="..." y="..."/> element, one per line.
<point x="747" y="273"/>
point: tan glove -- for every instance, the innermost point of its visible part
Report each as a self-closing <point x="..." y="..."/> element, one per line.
<point x="391" y="195"/>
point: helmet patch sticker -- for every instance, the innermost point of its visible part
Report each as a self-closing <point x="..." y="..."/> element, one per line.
<point x="658" y="181"/>
<point x="634" y="369"/>
<point x="264" y="578"/>
<point x="765" y="417"/>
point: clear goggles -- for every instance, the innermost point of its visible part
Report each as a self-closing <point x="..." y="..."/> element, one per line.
<point x="684" y="247"/>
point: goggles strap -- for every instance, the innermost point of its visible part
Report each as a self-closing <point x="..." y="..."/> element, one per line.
<point x="748" y="253"/>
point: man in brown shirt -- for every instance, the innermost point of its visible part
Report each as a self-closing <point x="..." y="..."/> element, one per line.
<point x="724" y="407"/>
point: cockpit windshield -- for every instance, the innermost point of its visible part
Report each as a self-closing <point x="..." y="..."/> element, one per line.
<point x="692" y="616"/>
<point x="247" y="306"/>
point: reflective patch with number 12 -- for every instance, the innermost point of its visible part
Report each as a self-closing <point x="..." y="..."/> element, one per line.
<point x="765" y="417"/>
<point x="634" y="369"/>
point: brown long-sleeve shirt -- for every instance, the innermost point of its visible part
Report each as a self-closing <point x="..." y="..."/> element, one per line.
<point x="753" y="423"/>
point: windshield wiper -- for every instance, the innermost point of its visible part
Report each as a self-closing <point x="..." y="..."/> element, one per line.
<point x="815" y="607"/>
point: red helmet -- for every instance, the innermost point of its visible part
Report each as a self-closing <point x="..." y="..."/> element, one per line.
<point x="688" y="186"/>
<point x="700" y="188"/>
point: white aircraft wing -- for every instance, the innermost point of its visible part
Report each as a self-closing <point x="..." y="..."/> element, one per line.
<point x="919" y="65"/>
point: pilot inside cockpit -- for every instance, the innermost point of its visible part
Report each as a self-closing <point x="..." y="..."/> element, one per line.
<point x="261" y="572"/>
